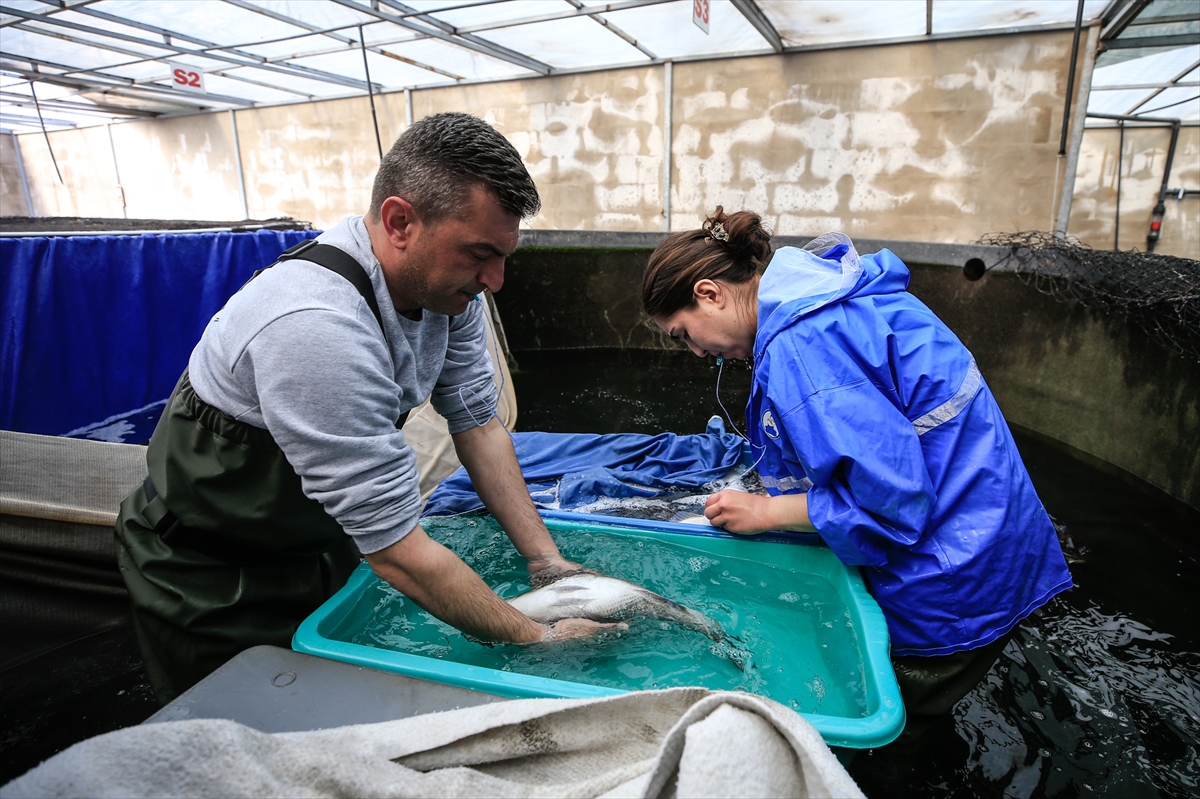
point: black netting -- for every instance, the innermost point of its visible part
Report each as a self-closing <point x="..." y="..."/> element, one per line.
<point x="1158" y="293"/>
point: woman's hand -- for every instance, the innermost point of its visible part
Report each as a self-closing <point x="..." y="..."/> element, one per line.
<point x="738" y="512"/>
<point x="747" y="514"/>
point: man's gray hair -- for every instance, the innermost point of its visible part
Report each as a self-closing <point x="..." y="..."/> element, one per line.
<point x="436" y="163"/>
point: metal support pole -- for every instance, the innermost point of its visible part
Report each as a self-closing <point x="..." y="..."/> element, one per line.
<point x="1077" y="124"/>
<point x="408" y="111"/>
<point x="370" y="91"/>
<point x="1120" y="166"/>
<point x="112" y="147"/>
<point x="1062" y="142"/>
<point x="668" y="102"/>
<point x="1160" y="209"/>
<point x="45" y="135"/>
<point x="237" y="152"/>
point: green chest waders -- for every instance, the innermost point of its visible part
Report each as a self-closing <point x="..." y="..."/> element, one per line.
<point x="219" y="548"/>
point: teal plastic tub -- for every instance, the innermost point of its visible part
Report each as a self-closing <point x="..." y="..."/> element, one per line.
<point x="802" y="628"/>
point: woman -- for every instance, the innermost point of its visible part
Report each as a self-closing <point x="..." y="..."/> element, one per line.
<point x="872" y="426"/>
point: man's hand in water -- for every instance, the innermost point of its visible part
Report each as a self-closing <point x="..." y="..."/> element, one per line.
<point x="545" y="569"/>
<point x="578" y="628"/>
<point x="746" y="514"/>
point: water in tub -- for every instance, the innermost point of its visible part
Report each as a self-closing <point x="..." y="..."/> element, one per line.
<point x="789" y="635"/>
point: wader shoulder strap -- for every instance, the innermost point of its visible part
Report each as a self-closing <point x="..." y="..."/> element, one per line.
<point x="336" y="260"/>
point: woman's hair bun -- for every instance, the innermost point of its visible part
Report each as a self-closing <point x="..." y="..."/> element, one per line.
<point x="742" y="232"/>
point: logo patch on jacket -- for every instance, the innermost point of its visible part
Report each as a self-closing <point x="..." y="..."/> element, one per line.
<point x="769" y="426"/>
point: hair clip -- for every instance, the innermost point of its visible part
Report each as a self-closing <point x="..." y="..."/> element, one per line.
<point x="717" y="231"/>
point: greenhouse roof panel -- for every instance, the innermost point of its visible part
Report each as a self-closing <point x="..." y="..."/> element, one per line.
<point x="262" y="52"/>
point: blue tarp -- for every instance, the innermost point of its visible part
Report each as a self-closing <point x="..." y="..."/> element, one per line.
<point x="96" y="327"/>
<point x="570" y="470"/>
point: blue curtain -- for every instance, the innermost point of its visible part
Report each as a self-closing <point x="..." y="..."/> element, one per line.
<point x="94" y="327"/>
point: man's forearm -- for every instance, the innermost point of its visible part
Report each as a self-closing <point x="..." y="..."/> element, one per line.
<point x="487" y="453"/>
<point x="437" y="580"/>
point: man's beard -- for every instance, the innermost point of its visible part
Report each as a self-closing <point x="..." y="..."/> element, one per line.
<point x="413" y="286"/>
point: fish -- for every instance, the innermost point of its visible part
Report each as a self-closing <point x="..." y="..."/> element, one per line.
<point x="587" y="595"/>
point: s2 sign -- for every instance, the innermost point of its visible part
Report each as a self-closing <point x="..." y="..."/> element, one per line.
<point x="186" y="78"/>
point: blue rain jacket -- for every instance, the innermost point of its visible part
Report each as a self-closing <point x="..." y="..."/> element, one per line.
<point x="866" y="400"/>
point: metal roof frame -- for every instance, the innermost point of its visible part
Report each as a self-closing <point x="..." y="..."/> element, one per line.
<point x="237" y="61"/>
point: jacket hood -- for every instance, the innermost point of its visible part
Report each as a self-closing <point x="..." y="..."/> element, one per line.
<point x="828" y="270"/>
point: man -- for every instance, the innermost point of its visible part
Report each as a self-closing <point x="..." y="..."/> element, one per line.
<point x="280" y="456"/>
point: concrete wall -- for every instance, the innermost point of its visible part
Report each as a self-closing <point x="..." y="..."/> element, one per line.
<point x="1094" y="208"/>
<point x="940" y="141"/>
<point x="13" y="201"/>
<point x="89" y="179"/>
<point x="315" y="161"/>
<point x="183" y="168"/>
<point x="1092" y="381"/>
<point x="593" y="143"/>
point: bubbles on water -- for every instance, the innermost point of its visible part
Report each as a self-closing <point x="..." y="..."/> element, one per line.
<point x="1037" y="714"/>
<point x="790" y="596"/>
<point x="698" y="563"/>
<point x="817" y="686"/>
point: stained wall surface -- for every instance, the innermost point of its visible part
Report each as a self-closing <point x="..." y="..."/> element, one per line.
<point x="315" y="161"/>
<point x="183" y="168"/>
<point x="88" y="186"/>
<point x="940" y="141"/>
<point x="12" y="188"/>
<point x="1142" y="161"/>
<point x="1094" y="381"/>
<point x="593" y="143"/>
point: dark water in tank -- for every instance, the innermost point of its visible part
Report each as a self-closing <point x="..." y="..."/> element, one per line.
<point x="1098" y="693"/>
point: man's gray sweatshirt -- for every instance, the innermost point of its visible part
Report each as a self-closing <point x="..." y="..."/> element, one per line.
<point x="298" y="352"/>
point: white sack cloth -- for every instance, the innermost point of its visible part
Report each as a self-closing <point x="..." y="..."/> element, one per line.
<point x="682" y="742"/>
